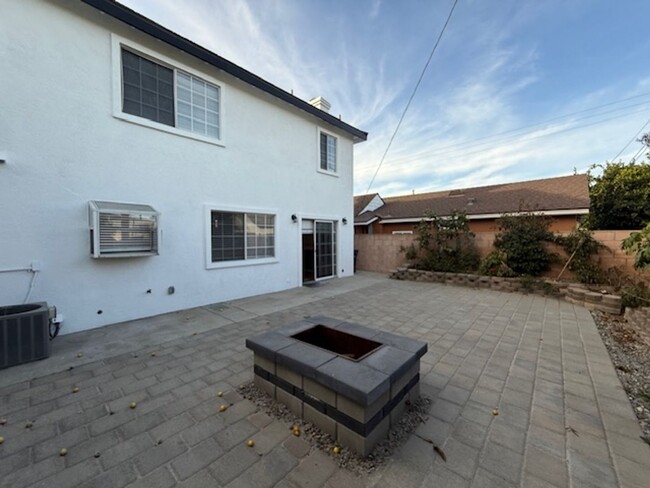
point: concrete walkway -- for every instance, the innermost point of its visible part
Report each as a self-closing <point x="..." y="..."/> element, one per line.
<point x="563" y="417"/>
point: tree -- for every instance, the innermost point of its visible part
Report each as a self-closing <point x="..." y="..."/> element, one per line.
<point x="620" y="196"/>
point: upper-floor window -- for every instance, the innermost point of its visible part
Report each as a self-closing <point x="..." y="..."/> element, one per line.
<point x="169" y="96"/>
<point x="328" y="152"/>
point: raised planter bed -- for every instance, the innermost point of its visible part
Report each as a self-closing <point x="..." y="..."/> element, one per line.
<point x="573" y="293"/>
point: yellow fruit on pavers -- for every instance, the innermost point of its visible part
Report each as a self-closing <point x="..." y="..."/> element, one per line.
<point x="296" y="432"/>
<point x="250" y="443"/>
<point x="336" y="449"/>
<point x="222" y="408"/>
<point x="220" y="393"/>
<point x="2" y="439"/>
<point x="75" y="389"/>
<point x="63" y="452"/>
<point x="495" y="412"/>
<point x="133" y="405"/>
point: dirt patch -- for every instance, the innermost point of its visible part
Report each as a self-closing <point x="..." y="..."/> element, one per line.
<point x="630" y="355"/>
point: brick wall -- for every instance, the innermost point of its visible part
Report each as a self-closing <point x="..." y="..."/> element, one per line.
<point x="380" y="252"/>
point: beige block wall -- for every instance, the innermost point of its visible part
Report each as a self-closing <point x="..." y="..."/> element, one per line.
<point x="381" y="252"/>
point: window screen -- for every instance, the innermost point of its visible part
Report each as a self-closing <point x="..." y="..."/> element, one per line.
<point x="148" y="89"/>
<point x="327" y="152"/>
<point x="239" y="236"/>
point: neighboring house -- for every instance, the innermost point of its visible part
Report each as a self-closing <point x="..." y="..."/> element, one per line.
<point x="565" y="199"/>
<point x="141" y="173"/>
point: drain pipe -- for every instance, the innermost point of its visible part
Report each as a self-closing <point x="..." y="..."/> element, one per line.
<point x="33" y="268"/>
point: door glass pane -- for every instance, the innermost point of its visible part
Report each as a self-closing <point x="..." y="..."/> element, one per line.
<point x="325" y="249"/>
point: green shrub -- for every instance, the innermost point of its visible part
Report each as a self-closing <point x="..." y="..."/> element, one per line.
<point x="581" y="247"/>
<point x="635" y="294"/>
<point x="443" y="244"/>
<point x="494" y="264"/>
<point x="522" y="238"/>
<point x="638" y="243"/>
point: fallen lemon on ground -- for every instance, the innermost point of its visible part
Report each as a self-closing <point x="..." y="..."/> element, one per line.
<point x="336" y="449"/>
<point x="2" y="439"/>
<point x="250" y="443"/>
<point x="222" y="408"/>
<point x="75" y="389"/>
<point x="220" y="393"/>
<point x="63" y="452"/>
<point x="133" y="405"/>
<point x="495" y="412"/>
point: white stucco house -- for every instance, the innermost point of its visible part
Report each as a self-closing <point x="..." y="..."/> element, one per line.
<point x="141" y="173"/>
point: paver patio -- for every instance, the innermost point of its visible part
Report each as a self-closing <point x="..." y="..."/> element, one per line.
<point x="563" y="417"/>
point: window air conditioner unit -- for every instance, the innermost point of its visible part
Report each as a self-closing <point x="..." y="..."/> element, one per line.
<point x="122" y="230"/>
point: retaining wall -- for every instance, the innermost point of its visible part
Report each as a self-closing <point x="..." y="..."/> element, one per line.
<point x="572" y="293"/>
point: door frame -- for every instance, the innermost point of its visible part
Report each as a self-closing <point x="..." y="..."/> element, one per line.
<point x="336" y="221"/>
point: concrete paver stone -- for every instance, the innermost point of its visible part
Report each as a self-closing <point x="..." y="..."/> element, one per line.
<point x="538" y="361"/>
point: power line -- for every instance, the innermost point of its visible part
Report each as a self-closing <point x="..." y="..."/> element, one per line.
<point x="460" y="152"/>
<point x="631" y="140"/>
<point x="488" y="140"/>
<point x="417" y="85"/>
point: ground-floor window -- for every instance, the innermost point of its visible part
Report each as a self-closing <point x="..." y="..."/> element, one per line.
<point x="238" y="236"/>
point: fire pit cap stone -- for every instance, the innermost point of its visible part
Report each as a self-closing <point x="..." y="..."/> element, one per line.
<point x="268" y="343"/>
<point x="303" y="358"/>
<point x="356" y="381"/>
<point x="404" y="343"/>
<point x="391" y="361"/>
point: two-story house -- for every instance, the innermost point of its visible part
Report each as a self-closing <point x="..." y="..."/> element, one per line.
<point x="141" y="173"/>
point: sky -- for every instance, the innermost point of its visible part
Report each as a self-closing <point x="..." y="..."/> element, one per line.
<point x="516" y="90"/>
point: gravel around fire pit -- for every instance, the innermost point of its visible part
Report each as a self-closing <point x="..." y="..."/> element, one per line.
<point x="631" y="358"/>
<point x="415" y="414"/>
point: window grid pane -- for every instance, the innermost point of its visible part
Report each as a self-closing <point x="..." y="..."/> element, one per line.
<point x="198" y="102"/>
<point x="327" y="152"/>
<point x="242" y="236"/>
<point x="147" y="89"/>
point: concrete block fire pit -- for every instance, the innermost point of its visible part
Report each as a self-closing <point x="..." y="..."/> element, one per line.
<point x="349" y="380"/>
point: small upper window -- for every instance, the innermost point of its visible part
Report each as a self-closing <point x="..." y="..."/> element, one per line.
<point x="327" y="152"/>
<point x="148" y="92"/>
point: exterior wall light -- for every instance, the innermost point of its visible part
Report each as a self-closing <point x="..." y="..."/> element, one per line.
<point x="345" y="221"/>
<point x="294" y="218"/>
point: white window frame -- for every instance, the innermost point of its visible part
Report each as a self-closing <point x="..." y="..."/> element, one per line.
<point x="208" y="209"/>
<point x="117" y="43"/>
<point x="337" y="155"/>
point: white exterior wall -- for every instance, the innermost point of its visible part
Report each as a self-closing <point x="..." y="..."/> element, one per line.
<point x="63" y="147"/>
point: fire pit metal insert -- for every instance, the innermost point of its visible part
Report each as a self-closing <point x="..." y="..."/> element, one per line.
<point x="347" y="345"/>
<point x="349" y="380"/>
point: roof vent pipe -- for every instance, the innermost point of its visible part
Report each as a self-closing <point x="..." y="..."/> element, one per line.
<point x="320" y="103"/>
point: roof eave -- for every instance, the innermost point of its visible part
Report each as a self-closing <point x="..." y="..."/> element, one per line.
<point x="148" y="26"/>
<point x="557" y="213"/>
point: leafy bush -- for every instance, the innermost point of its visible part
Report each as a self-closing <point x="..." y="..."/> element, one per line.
<point x="581" y="247"/>
<point x="620" y="196"/>
<point x="639" y="243"/>
<point x="522" y="238"/>
<point x="635" y="294"/>
<point x="443" y="244"/>
<point x="494" y="264"/>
